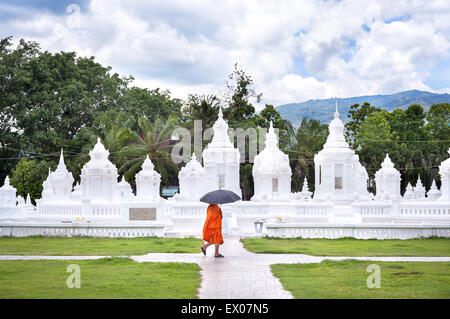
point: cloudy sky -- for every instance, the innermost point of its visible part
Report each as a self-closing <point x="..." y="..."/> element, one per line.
<point x="294" y="50"/>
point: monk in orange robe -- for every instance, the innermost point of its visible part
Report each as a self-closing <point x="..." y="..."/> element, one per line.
<point x="212" y="230"/>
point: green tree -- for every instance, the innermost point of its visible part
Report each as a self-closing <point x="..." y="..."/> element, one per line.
<point x="246" y="180"/>
<point x="358" y="115"/>
<point x="201" y="107"/>
<point x="309" y="140"/>
<point x="373" y="141"/>
<point x="153" y="104"/>
<point x="239" y="92"/>
<point x="438" y="119"/>
<point x="28" y="176"/>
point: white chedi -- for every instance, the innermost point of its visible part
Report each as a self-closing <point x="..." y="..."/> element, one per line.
<point x="419" y="190"/>
<point x="20" y="201"/>
<point x="387" y="181"/>
<point x="7" y="194"/>
<point x="192" y="180"/>
<point x="305" y="194"/>
<point x="99" y="177"/>
<point x="148" y="182"/>
<point x="433" y="193"/>
<point x="60" y="181"/>
<point x="125" y="190"/>
<point x="337" y="169"/>
<point x="271" y="171"/>
<point x="221" y="160"/>
<point x="409" y="193"/>
<point x="444" y="171"/>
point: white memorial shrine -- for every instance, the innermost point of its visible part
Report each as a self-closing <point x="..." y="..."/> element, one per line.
<point x="338" y="174"/>
<point x="341" y="206"/>
<point x="271" y="172"/>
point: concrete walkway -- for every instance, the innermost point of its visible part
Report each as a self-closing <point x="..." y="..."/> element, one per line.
<point x="241" y="274"/>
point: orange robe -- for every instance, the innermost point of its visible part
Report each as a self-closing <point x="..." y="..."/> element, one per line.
<point x="212" y="230"/>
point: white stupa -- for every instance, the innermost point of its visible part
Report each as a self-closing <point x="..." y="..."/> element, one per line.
<point x="221" y="160"/>
<point x="60" y="181"/>
<point x="433" y="193"/>
<point x="338" y="173"/>
<point x="7" y="195"/>
<point x="148" y="182"/>
<point x="444" y="171"/>
<point x="419" y="190"/>
<point x="192" y="180"/>
<point x="409" y="192"/>
<point x="125" y="191"/>
<point x="387" y="181"/>
<point x="271" y="172"/>
<point x="305" y="194"/>
<point x="99" y="176"/>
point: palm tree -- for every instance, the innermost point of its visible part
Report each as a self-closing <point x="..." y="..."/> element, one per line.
<point x="153" y="140"/>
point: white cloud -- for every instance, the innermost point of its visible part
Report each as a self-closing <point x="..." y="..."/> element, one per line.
<point x="346" y="48"/>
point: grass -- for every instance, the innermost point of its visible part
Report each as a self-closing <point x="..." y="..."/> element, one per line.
<point x="350" y="247"/>
<point x="108" y="278"/>
<point x="348" y="279"/>
<point x="65" y="246"/>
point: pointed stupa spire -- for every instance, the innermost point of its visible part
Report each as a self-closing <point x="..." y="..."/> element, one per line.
<point x="148" y="164"/>
<point x="305" y="187"/>
<point x="387" y="163"/>
<point x="271" y="137"/>
<point x="336" y="139"/>
<point x="220" y="138"/>
<point x="336" y="112"/>
<point x="61" y="157"/>
<point x="61" y="168"/>
<point x="6" y="185"/>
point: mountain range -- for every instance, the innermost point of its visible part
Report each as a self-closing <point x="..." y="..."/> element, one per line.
<point x="323" y="110"/>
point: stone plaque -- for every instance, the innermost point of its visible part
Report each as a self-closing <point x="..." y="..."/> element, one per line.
<point x="143" y="213"/>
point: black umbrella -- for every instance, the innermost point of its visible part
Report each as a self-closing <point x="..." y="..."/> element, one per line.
<point x="220" y="196"/>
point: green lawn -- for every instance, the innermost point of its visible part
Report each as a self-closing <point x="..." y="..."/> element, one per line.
<point x="103" y="278"/>
<point x="348" y="279"/>
<point x="350" y="247"/>
<point x="65" y="246"/>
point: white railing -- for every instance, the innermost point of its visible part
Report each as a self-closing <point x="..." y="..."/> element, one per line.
<point x="189" y="210"/>
<point x="312" y="209"/>
<point x="373" y="208"/>
<point x="105" y="211"/>
<point x="424" y="209"/>
<point x="115" y="230"/>
<point x="58" y="211"/>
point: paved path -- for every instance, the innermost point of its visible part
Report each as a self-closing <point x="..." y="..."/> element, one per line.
<point x="241" y="274"/>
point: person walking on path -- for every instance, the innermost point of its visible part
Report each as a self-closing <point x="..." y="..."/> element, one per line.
<point x="212" y="230"/>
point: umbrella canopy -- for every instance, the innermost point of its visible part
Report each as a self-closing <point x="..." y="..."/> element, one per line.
<point x="220" y="196"/>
